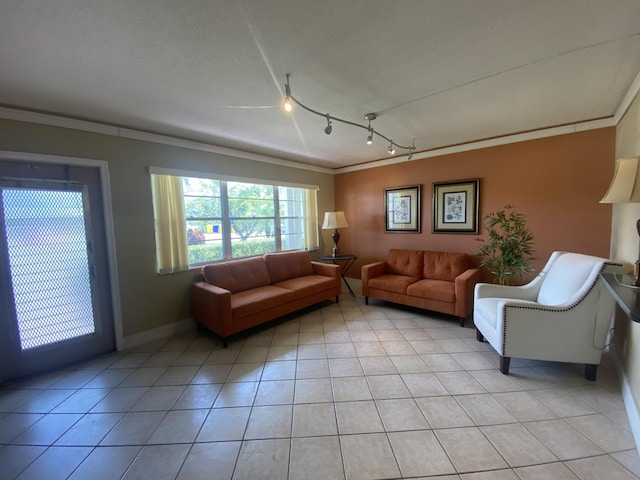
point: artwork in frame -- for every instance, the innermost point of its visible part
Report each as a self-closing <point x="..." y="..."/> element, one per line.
<point x="402" y="209"/>
<point x="455" y="206"/>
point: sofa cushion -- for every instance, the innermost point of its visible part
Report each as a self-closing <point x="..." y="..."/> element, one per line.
<point x="392" y="283"/>
<point x="259" y="299"/>
<point x="237" y="275"/>
<point x="444" y="265"/>
<point x="308" y="285"/>
<point x="286" y="265"/>
<point x="441" y="290"/>
<point x="405" y="262"/>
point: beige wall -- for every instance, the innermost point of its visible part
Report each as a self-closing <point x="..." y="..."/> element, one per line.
<point x="556" y="182"/>
<point x="148" y="300"/>
<point x="624" y="247"/>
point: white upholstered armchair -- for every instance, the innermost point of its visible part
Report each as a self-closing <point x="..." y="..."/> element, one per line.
<point x="562" y="315"/>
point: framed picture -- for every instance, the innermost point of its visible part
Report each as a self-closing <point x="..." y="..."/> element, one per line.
<point x="402" y="209"/>
<point x="455" y="206"/>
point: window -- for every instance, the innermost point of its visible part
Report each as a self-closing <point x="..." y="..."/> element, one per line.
<point x="202" y="220"/>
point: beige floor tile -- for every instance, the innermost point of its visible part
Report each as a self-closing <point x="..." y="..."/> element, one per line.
<point x="276" y="392"/>
<point x="517" y="445"/>
<point x="13" y="424"/>
<point x="144" y="377"/>
<point x="369" y="349"/>
<point x="605" y="433"/>
<point x="313" y="390"/>
<point x="483" y="409"/>
<point x="316" y="458"/>
<point x="472" y="361"/>
<point x="197" y="396"/>
<point x="158" y="398"/>
<point x="337" y="337"/>
<point x="419" y="454"/>
<point x="598" y="468"/>
<point x="239" y="394"/>
<point x="281" y="353"/>
<point x="401" y="414"/>
<point x="459" y="383"/>
<point x="106" y="463"/>
<point x="15" y="458"/>
<point x="224" y="424"/>
<point x="363" y="336"/>
<point x="47" y="429"/>
<point x="314" y="419"/>
<point x="155" y="462"/>
<point x="212" y="373"/>
<point x="179" y="426"/>
<point x="340" y="350"/>
<point x="245" y="372"/>
<point x="494" y="381"/>
<point x="90" y="429"/>
<point x="55" y="463"/>
<point x="347" y="389"/>
<point x="224" y="355"/>
<point x="425" y="346"/>
<point x="389" y="334"/>
<point x="178" y="375"/>
<point x="312" y="351"/>
<point x="399" y="347"/>
<point x="279" y="370"/>
<point x="314" y="368"/>
<point x="563" y="402"/>
<point x="345" y="367"/>
<point x="377" y="366"/>
<point x="263" y="459"/>
<point x="423" y="384"/>
<point x="387" y="386"/>
<point x="598" y="398"/>
<point x="82" y="400"/>
<point x="469" y="450"/>
<point x="443" y="412"/>
<point x="413" y="334"/>
<point x="358" y="417"/>
<point x="409" y="364"/>
<point x="441" y="362"/>
<point x="524" y="406"/>
<point x="563" y="440"/>
<point x="192" y="357"/>
<point x="630" y="460"/>
<point x="273" y="421"/>
<point x="491" y="475"/>
<point x="135" y="428"/>
<point x="549" y="471"/>
<point x="45" y="401"/>
<point x="207" y="459"/>
<point x="368" y="456"/>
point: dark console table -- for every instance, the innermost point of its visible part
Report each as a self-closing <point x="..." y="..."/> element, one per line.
<point x="344" y="267"/>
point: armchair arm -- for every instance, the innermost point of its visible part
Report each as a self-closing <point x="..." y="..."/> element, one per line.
<point x="464" y="285"/>
<point x="211" y="306"/>
<point x="524" y="292"/>
<point x="370" y="271"/>
<point x="326" y="269"/>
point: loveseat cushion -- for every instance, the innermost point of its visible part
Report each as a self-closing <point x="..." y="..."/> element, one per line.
<point x="444" y="265"/>
<point x="286" y="265"/>
<point x="441" y="290"/>
<point x="405" y="262"/>
<point x="392" y="283"/>
<point x="237" y="275"/>
<point x="308" y="285"/>
<point x="259" y="299"/>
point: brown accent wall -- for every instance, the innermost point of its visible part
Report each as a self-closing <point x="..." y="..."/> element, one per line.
<point x="556" y="182"/>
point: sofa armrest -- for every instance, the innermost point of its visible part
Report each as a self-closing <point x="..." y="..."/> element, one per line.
<point x="491" y="290"/>
<point x="370" y="271"/>
<point x="464" y="288"/>
<point x="326" y="269"/>
<point x="211" y="306"/>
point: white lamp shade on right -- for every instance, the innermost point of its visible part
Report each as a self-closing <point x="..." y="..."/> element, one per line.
<point x="625" y="186"/>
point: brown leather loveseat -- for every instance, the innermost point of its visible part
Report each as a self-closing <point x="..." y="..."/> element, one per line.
<point x="239" y="294"/>
<point x="438" y="281"/>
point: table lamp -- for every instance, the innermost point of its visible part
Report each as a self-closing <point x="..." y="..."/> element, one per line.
<point x="625" y="188"/>
<point x="334" y="220"/>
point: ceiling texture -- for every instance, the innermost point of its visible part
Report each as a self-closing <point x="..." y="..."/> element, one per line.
<point x="444" y="72"/>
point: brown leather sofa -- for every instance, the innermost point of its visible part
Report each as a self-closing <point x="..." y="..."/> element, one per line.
<point x="438" y="281"/>
<point x="239" y="294"/>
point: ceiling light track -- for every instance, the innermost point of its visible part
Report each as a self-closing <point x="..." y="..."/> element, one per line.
<point x="288" y="106"/>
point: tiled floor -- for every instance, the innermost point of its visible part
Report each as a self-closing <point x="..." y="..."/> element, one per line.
<point x="339" y="391"/>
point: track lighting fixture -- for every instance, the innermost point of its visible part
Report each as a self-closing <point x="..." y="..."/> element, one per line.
<point x="288" y="106"/>
<point x="328" y="128"/>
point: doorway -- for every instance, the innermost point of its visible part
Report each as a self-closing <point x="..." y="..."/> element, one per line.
<point x="55" y="278"/>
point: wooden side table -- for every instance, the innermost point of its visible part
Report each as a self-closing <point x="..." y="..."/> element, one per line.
<point x="344" y="267"/>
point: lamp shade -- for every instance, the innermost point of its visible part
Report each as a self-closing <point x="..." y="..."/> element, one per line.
<point x="334" y="220"/>
<point x="625" y="186"/>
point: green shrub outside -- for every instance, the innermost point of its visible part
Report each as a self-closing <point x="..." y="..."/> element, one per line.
<point x="203" y="253"/>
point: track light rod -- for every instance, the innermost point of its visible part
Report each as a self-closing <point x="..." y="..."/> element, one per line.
<point x="369" y="117"/>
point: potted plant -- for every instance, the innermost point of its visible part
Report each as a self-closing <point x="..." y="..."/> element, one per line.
<point x="509" y="249"/>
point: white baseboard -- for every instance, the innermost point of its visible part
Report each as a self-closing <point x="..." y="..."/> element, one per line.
<point x="165" y="331"/>
<point x="629" y="403"/>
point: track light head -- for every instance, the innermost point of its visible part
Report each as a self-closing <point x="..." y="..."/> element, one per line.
<point x="391" y="150"/>
<point x="370" y="137"/>
<point x="287" y="105"/>
<point x="328" y="128"/>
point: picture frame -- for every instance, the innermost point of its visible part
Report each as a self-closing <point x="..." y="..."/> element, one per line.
<point x="402" y="209"/>
<point x="455" y="206"/>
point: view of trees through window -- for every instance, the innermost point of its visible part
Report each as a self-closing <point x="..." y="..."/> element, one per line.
<point x="227" y="219"/>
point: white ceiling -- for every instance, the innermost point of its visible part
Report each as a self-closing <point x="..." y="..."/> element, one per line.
<point x="442" y="71"/>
